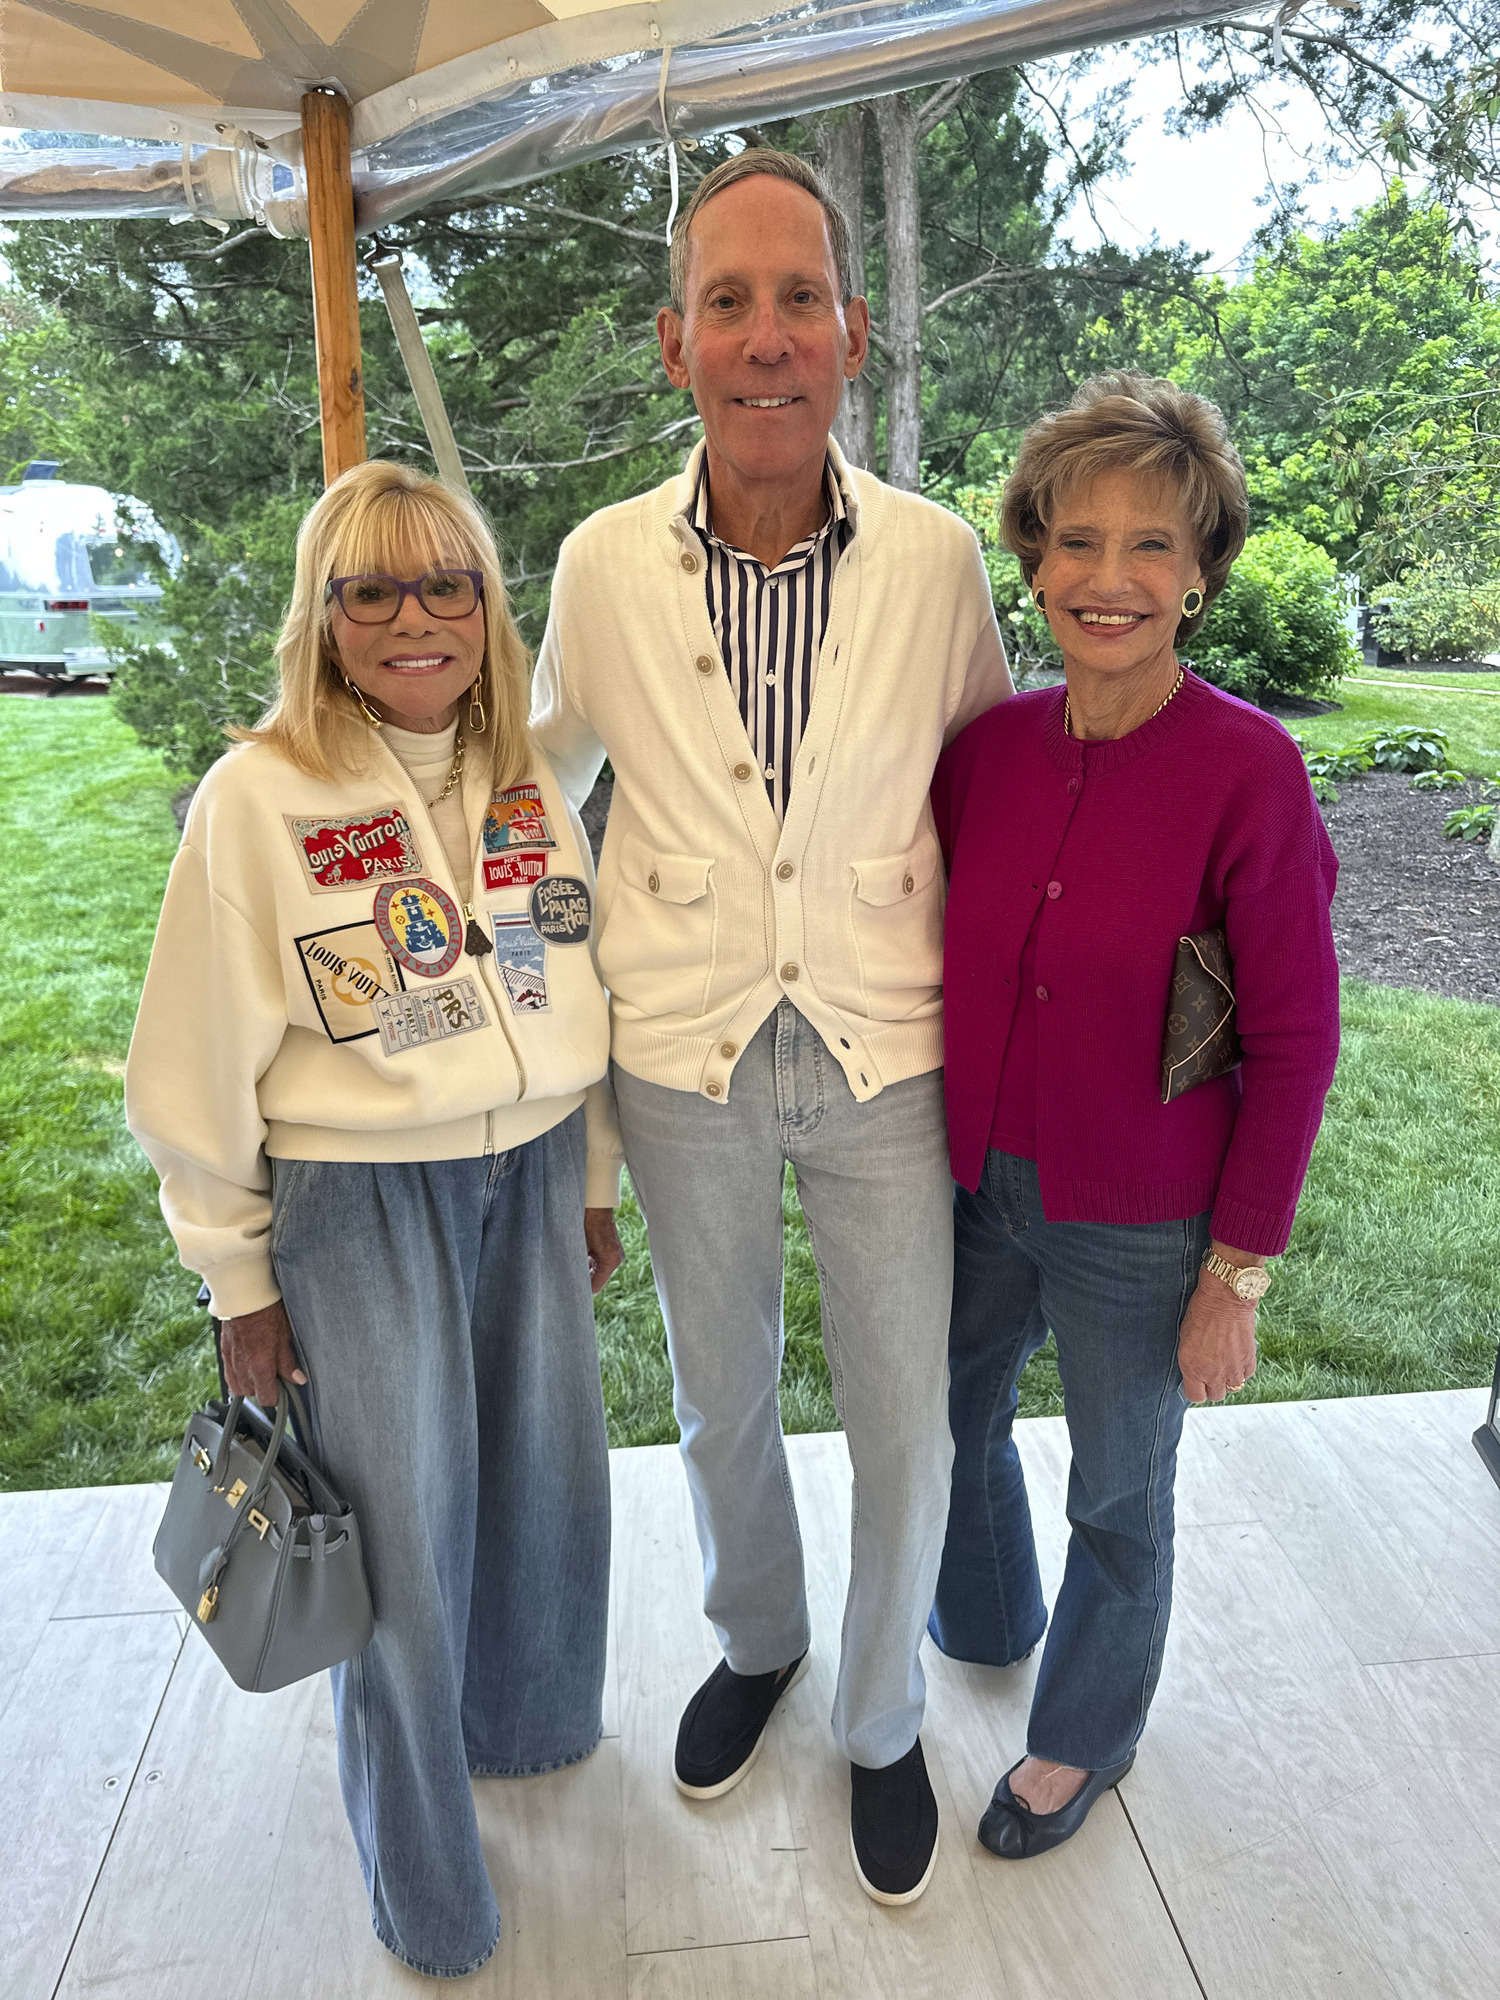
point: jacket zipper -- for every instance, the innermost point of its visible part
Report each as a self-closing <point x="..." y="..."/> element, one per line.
<point x="465" y="898"/>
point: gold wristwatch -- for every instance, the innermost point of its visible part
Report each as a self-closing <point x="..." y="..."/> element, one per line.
<point x="1248" y="1282"/>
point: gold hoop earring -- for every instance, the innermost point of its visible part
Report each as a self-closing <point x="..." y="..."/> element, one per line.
<point x="1039" y="599"/>
<point x="375" y="721"/>
<point x="1192" y="603"/>
<point x="477" y="717"/>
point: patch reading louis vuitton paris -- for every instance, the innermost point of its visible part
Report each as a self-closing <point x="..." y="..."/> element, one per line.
<point x="516" y="818"/>
<point x="560" y="909"/>
<point x="513" y="871"/>
<point x="420" y="925"/>
<point x="432" y="1014"/>
<point x="343" y="853"/>
<point x="348" y="968"/>
<point x="521" y="957"/>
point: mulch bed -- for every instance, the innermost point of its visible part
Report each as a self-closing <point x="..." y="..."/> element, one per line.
<point x="1412" y="908"/>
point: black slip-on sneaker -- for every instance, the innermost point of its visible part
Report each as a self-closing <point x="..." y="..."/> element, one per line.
<point x="893" y="1828"/>
<point x="720" y="1734"/>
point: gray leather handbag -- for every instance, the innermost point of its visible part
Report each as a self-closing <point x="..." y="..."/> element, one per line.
<point x="260" y="1550"/>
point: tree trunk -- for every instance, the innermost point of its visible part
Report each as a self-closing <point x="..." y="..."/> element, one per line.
<point x="843" y="148"/>
<point x="897" y="118"/>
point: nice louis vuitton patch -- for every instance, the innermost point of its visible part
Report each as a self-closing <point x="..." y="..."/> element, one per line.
<point x="347" y="852"/>
<point x="516" y="818"/>
<point x="348" y="969"/>
<point x="432" y="1014"/>
<point x="513" y="871"/>
<point x="521" y="959"/>
<point x="418" y="922"/>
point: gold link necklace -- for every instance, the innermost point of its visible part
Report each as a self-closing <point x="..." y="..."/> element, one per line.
<point x="455" y="772"/>
<point x="1068" y="706"/>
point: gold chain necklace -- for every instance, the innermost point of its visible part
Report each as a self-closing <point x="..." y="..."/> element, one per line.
<point x="1068" y="706"/>
<point x="455" y="771"/>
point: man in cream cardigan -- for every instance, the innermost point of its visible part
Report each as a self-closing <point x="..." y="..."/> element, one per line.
<point x="772" y="649"/>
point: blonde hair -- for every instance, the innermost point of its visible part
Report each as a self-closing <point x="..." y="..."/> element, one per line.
<point x="384" y="517"/>
<point x="1128" y="422"/>
<point x="776" y="166"/>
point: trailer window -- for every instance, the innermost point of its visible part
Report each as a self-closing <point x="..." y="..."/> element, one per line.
<point x="121" y="559"/>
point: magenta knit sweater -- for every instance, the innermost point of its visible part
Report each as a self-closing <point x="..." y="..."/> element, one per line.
<point x="1202" y="816"/>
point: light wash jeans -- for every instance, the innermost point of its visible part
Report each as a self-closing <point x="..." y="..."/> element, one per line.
<point x="443" y="1316"/>
<point x="1114" y="1295"/>
<point x="874" y="1185"/>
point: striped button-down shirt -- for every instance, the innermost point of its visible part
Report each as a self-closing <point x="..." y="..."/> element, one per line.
<point x="770" y="625"/>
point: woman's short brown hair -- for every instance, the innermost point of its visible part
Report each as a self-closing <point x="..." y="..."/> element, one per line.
<point x="1123" y="421"/>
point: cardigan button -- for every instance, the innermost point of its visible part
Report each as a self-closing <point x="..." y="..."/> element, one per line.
<point x="1041" y="993"/>
<point x="704" y="664"/>
<point x="789" y="973"/>
<point x="714" y="1089"/>
<point x="689" y="562"/>
<point x="1075" y="785"/>
<point x="909" y="884"/>
<point x="742" y="772"/>
<point x="728" y="1051"/>
<point x="785" y="871"/>
<point x="653" y="883"/>
<point x="1054" y="890"/>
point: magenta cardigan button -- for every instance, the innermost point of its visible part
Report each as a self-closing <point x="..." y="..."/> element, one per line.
<point x="1054" y="890"/>
<point x="1041" y="993"/>
<point x="1074" y="785"/>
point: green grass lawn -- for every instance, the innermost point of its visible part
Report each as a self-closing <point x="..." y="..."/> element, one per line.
<point x="1391" y="1282"/>
<point x="1469" y="714"/>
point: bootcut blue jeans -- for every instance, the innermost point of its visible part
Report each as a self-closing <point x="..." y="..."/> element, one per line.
<point x="1114" y="1295"/>
<point x="443" y="1315"/>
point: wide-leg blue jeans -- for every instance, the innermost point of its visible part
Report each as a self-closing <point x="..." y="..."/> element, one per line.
<point x="1114" y="1295"/>
<point x="443" y="1316"/>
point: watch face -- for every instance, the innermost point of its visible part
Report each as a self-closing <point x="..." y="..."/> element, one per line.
<point x="1253" y="1284"/>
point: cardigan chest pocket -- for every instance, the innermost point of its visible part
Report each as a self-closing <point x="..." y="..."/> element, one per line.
<point x="656" y="947"/>
<point x="897" y="914"/>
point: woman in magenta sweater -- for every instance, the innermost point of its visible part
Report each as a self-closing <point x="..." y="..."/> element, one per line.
<point x="1087" y="829"/>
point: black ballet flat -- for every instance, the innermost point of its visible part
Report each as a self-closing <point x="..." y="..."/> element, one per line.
<point x="1016" y="1833"/>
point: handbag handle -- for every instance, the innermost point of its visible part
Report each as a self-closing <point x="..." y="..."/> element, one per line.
<point x="230" y="1431"/>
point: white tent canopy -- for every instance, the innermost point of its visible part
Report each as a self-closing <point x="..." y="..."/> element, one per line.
<point x="177" y="108"/>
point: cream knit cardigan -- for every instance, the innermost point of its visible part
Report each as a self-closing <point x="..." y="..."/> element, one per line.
<point x="709" y="910"/>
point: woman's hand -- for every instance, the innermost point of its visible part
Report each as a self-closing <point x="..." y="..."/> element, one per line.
<point x="603" y="1240"/>
<point x="257" y="1348"/>
<point x="1216" y="1347"/>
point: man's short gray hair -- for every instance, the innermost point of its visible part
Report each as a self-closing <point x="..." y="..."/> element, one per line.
<point x="780" y="167"/>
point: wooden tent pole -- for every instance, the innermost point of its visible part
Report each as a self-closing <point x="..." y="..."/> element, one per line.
<point x="330" y="229"/>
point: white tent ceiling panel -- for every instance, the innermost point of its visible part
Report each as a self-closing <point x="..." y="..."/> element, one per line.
<point x="175" y="108"/>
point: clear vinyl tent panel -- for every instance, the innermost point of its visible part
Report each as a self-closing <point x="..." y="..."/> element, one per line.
<point x="509" y="109"/>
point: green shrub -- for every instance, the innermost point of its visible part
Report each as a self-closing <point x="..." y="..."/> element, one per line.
<point x="1441" y="609"/>
<point x="1472" y="822"/>
<point x="1278" y="625"/>
<point x="223" y="611"/>
<point x="1436" y="781"/>
<point x="1350" y="762"/>
<point x="1406" y="748"/>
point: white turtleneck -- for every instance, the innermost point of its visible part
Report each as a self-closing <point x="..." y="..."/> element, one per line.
<point x="429" y="758"/>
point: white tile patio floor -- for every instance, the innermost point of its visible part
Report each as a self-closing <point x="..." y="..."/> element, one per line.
<point x="1315" y="1810"/>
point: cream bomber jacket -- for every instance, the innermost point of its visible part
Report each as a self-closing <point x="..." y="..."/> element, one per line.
<point x="709" y="910"/>
<point x="310" y="995"/>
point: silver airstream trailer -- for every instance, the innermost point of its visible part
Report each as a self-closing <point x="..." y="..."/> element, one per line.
<point x="68" y="550"/>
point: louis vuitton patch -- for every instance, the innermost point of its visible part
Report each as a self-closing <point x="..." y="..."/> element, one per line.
<point x="514" y="870"/>
<point x="348" y="968"/>
<point x="521" y="960"/>
<point x="418" y="922"/>
<point x="347" y="852"/>
<point x="515" y="818"/>
<point x="431" y="1014"/>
